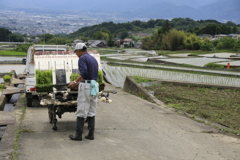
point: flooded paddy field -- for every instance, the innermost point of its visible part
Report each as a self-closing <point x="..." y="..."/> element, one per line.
<point x="232" y="63"/>
<point x="180" y="68"/>
<point x="221" y="55"/>
<point x="117" y="74"/>
<point x="195" y="61"/>
<point x="7" y="58"/>
<point x="179" y="55"/>
<point x="19" y="68"/>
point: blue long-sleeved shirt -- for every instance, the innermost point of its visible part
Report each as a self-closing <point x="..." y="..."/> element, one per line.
<point x="88" y="67"/>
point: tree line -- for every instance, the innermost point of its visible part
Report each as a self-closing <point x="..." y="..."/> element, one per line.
<point x="121" y="30"/>
<point x="173" y="40"/>
<point x="162" y="30"/>
<point x="7" y="36"/>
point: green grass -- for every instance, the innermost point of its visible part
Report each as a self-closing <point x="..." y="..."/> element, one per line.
<point x="140" y="79"/>
<point x="12" y="53"/>
<point x="5" y="43"/>
<point x="214" y="65"/>
<point x="216" y="105"/>
<point x="15" y="153"/>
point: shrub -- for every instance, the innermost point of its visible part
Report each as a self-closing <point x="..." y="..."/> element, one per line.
<point x="226" y="43"/>
<point x="22" y="47"/>
<point x="192" y="42"/>
<point x="215" y="42"/>
<point x="213" y="65"/>
<point x="237" y="45"/>
<point x="173" y="40"/>
<point x="7" y="78"/>
<point x="206" y="46"/>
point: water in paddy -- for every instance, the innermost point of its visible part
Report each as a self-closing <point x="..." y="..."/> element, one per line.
<point x="19" y="68"/>
<point x="5" y="58"/>
<point x="117" y="75"/>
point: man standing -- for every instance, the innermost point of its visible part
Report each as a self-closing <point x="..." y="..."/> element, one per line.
<point x="86" y="103"/>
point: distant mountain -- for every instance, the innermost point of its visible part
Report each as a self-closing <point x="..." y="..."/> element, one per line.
<point x="228" y="10"/>
<point x="221" y="10"/>
<point x="98" y="5"/>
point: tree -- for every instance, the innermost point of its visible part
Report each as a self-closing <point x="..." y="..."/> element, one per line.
<point x="151" y="23"/>
<point x="230" y="23"/>
<point x="46" y="37"/>
<point x="22" y="47"/>
<point x="144" y="25"/>
<point x="226" y="43"/>
<point x="211" y="28"/>
<point x="137" y="23"/>
<point x="4" y="34"/>
<point x="59" y="41"/>
<point x="110" y="41"/>
<point x="235" y="29"/>
<point x="192" y="42"/>
<point x="160" y="22"/>
<point x="166" y="27"/>
<point x="16" y="38"/>
<point x="173" y="40"/>
<point x="236" y="46"/>
<point x="124" y="35"/>
<point x="206" y="45"/>
<point x="103" y="35"/>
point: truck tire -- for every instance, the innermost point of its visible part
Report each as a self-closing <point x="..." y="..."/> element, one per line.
<point x="29" y="99"/>
<point x="29" y="102"/>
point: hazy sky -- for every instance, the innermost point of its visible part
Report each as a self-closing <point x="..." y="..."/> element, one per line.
<point x="87" y="4"/>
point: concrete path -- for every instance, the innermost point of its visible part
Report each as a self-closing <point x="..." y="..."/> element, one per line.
<point x="129" y="128"/>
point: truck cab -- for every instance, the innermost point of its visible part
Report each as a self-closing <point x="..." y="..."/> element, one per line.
<point x="59" y="59"/>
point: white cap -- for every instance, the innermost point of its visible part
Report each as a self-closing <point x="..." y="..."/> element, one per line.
<point x="80" y="46"/>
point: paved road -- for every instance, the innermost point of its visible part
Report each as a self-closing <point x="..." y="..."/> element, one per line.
<point x="129" y="128"/>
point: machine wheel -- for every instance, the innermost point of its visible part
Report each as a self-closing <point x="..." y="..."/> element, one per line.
<point x="54" y="128"/>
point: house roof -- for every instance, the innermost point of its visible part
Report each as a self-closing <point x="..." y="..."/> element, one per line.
<point x="127" y="40"/>
<point x="77" y="40"/>
<point x="95" y="43"/>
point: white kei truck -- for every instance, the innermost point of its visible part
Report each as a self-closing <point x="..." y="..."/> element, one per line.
<point x="62" y="62"/>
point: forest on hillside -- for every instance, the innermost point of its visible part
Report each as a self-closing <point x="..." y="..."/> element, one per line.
<point x="175" y="34"/>
<point x="120" y="30"/>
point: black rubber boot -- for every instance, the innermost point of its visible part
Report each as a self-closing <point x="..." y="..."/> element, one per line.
<point x="91" y="126"/>
<point x="79" y="130"/>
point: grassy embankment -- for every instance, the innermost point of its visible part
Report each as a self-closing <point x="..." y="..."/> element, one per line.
<point x="216" y="105"/>
<point x="12" y="53"/>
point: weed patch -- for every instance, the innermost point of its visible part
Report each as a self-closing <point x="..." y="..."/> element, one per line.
<point x="217" y="105"/>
